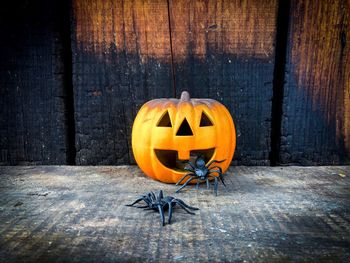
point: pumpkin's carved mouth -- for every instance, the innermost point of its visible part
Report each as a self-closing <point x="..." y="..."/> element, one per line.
<point x="169" y="158"/>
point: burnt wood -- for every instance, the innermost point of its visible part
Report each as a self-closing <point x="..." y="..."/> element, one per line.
<point x="33" y="93"/>
<point x="225" y="50"/>
<point x="74" y="73"/>
<point x="316" y="103"/>
<point x="121" y="59"/>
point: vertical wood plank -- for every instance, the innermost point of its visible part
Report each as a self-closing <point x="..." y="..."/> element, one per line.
<point x="121" y="59"/>
<point x="225" y="50"/>
<point x="316" y="111"/>
<point x="32" y="96"/>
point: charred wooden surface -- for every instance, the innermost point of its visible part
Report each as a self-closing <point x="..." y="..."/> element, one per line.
<point x="129" y="52"/>
<point x="225" y="50"/>
<point x="264" y="214"/>
<point x="316" y="111"/>
<point x="121" y="59"/>
<point x="33" y="96"/>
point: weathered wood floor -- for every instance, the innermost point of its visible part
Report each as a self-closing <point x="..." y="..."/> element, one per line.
<point x="64" y="214"/>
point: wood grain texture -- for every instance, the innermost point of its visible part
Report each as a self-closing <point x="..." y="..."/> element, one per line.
<point x="234" y="27"/>
<point x="137" y="27"/>
<point x="225" y="50"/>
<point x="316" y="110"/>
<point x="115" y="70"/>
<point x="32" y="94"/>
<point x="264" y="214"/>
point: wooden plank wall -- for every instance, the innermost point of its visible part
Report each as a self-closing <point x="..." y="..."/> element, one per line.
<point x="125" y="46"/>
<point x="121" y="59"/>
<point x="316" y="104"/>
<point x="225" y="50"/>
<point x="33" y="90"/>
<point x="112" y="56"/>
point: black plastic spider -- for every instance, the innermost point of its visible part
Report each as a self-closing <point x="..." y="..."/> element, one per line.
<point x="201" y="173"/>
<point x="160" y="203"/>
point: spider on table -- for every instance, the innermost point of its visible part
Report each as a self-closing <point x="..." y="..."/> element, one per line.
<point x="201" y="172"/>
<point x="161" y="203"/>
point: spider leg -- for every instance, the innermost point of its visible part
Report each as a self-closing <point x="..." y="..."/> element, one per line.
<point x="144" y="206"/>
<point x="216" y="185"/>
<point x="183" y="177"/>
<point x="138" y="200"/>
<point x="214" y="161"/>
<point x="170" y="212"/>
<point x="160" y="196"/>
<point x="189" y="169"/>
<point x="207" y="181"/>
<point x="217" y="167"/>
<point x="149" y="208"/>
<point x="215" y="171"/>
<point x="184" y="208"/>
<point x="219" y="175"/>
<point x="222" y="179"/>
<point x="197" y="185"/>
<point x="211" y="176"/>
<point x="189" y="163"/>
<point x="161" y="212"/>
<point x="186" y="205"/>
<point x="153" y="196"/>
<point x="186" y="183"/>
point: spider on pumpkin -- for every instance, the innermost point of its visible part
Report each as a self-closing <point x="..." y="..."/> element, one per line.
<point x="201" y="172"/>
<point x="160" y="203"/>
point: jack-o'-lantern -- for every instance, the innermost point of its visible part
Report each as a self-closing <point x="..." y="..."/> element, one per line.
<point x="168" y="131"/>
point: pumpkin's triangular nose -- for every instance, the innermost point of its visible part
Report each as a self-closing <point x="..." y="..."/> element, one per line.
<point x="184" y="129"/>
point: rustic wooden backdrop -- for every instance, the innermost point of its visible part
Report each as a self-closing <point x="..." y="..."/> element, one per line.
<point x="73" y="75"/>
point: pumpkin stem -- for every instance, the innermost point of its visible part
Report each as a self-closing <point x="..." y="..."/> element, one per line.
<point x="185" y="96"/>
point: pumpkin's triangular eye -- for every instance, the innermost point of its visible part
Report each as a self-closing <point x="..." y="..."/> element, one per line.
<point x="165" y="120"/>
<point x="205" y="121"/>
<point x="185" y="129"/>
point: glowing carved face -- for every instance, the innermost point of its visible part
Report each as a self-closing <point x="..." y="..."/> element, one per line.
<point x="168" y="130"/>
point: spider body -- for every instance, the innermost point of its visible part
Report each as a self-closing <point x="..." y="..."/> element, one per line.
<point x="160" y="203"/>
<point x="202" y="173"/>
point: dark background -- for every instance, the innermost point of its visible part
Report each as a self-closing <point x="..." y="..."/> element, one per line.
<point x="73" y="75"/>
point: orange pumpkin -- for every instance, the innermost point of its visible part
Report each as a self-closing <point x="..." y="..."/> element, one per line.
<point x="168" y="130"/>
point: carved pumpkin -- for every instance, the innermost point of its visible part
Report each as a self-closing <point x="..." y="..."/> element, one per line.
<point x="168" y="130"/>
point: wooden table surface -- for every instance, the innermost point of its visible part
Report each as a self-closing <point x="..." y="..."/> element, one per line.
<point x="265" y="214"/>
